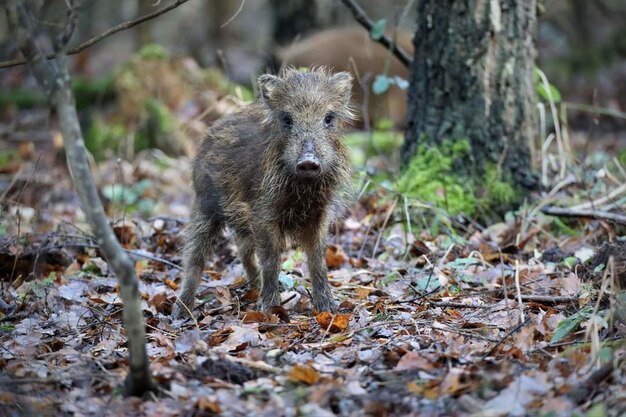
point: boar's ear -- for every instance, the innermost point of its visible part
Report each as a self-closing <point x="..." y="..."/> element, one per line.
<point x="343" y="84"/>
<point x="267" y="86"/>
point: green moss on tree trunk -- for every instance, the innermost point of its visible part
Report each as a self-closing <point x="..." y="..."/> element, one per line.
<point x="431" y="176"/>
<point x="472" y="81"/>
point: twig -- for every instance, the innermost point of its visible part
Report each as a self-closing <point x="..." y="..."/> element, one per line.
<point x="593" y="109"/>
<point x="417" y="291"/>
<point x="557" y="127"/>
<point x="447" y="304"/>
<point x="519" y="292"/>
<point x="361" y="17"/>
<point x="463" y="332"/>
<point x="54" y="79"/>
<point x="506" y="336"/>
<point x="586" y="387"/>
<point x="382" y="229"/>
<point x="547" y="299"/>
<point x="592" y="214"/>
<point x="131" y="252"/>
<point x="122" y="26"/>
<point x="235" y="15"/>
<point x="595" y="204"/>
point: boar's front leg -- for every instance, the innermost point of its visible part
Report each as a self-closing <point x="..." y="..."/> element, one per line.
<point x="314" y="245"/>
<point x="270" y="245"/>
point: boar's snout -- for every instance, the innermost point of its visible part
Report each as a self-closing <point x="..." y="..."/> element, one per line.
<point x="308" y="166"/>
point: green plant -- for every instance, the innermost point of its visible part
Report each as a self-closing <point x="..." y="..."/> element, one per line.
<point x="102" y="136"/>
<point x="542" y="89"/>
<point x="130" y="198"/>
<point x="430" y="177"/>
<point x="383" y="82"/>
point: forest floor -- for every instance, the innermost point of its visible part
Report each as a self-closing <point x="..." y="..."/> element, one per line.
<point x="440" y="315"/>
<point x="510" y="319"/>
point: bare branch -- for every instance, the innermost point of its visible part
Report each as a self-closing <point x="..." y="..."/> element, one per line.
<point x="235" y="15"/>
<point x="122" y="26"/>
<point x="63" y="38"/>
<point x="361" y="17"/>
<point x="55" y="79"/>
<point x="506" y="336"/>
<point x="592" y="214"/>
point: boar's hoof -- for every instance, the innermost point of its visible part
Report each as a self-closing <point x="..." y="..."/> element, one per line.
<point x="179" y="311"/>
<point x="266" y="303"/>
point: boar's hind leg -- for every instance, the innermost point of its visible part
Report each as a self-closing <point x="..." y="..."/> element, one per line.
<point x="314" y="245"/>
<point x="271" y="244"/>
<point x="200" y="235"/>
<point x="245" y="246"/>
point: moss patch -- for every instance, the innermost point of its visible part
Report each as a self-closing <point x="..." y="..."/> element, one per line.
<point x="497" y="189"/>
<point x="153" y="51"/>
<point x="431" y="177"/>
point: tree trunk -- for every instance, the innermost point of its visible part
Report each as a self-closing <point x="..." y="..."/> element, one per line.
<point x="472" y="80"/>
<point x="144" y="31"/>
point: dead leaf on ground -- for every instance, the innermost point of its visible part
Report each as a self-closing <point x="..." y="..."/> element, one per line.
<point x="335" y="256"/>
<point x="304" y="374"/>
<point x="335" y="323"/>
<point x="415" y="360"/>
<point x="208" y="405"/>
<point x="251" y="295"/>
<point x="254" y="317"/>
<point x="281" y="312"/>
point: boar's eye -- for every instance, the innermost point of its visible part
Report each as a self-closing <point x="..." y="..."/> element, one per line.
<point x="286" y="119"/>
<point x="329" y="119"/>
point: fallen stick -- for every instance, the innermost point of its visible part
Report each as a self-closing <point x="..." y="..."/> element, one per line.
<point x="506" y="336"/>
<point x="549" y="299"/>
<point x="592" y="214"/>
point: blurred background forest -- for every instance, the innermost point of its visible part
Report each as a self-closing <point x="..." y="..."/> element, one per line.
<point x="581" y="46"/>
<point x="160" y="84"/>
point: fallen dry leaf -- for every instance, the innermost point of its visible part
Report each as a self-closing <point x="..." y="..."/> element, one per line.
<point x="415" y="360"/>
<point x="334" y="323"/>
<point x="171" y="283"/>
<point x="254" y="317"/>
<point x="208" y="405"/>
<point x="335" y="256"/>
<point x="304" y="374"/>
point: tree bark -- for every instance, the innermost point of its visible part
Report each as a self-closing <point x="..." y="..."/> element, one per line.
<point x="54" y="78"/>
<point x="144" y="32"/>
<point x="472" y="79"/>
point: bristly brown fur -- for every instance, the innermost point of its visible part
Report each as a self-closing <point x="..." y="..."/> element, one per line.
<point x="248" y="175"/>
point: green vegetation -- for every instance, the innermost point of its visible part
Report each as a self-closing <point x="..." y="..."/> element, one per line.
<point x="87" y="92"/>
<point x="431" y="176"/>
<point x="497" y="189"/>
<point x="93" y="91"/>
<point x="364" y="145"/>
<point x="542" y="90"/>
<point x="157" y="122"/>
<point x="153" y="51"/>
<point x="622" y="157"/>
<point x="131" y="198"/>
<point x="102" y="136"/>
<point x="9" y="156"/>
